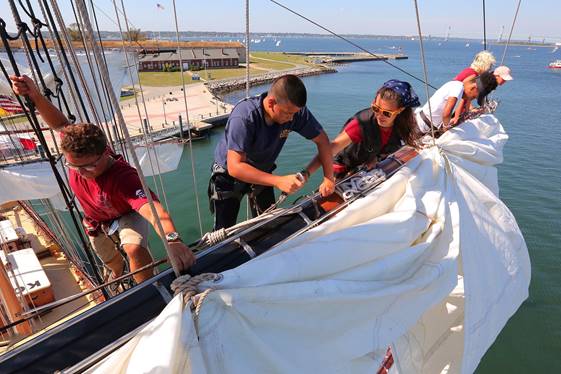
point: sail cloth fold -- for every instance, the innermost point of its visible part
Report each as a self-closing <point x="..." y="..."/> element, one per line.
<point x="158" y="158"/>
<point x="431" y="263"/>
<point x="37" y="181"/>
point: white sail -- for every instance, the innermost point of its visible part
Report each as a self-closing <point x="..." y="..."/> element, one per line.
<point x="431" y="264"/>
<point x="37" y="181"/>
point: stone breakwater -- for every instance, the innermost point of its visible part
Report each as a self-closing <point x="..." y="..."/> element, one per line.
<point x="233" y="84"/>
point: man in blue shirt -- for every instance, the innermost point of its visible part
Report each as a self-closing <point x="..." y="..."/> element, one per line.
<point x="255" y="134"/>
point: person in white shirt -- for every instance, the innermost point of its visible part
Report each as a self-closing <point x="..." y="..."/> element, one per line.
<point x="442" y="105"/>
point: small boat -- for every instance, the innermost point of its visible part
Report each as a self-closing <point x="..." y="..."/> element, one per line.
<point x="278" y="43"/>
<point x="467" y="45"/>
<point x="555" y="64"/>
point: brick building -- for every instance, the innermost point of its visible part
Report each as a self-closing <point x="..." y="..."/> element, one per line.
<point x="195" y="58"/>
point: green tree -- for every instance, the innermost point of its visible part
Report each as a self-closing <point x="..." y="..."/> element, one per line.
<point x="134" y="35"/>
<point x="74" y="31"/>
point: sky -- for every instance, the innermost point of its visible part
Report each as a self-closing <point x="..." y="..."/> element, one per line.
<point x="538" y="19"/>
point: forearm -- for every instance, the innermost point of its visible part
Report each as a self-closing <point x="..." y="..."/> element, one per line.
<point x="314" y="164"/>
<point x="165" y="218"/>
<point x="326" y="158"/>
<point x="340" y="142"/>
<point x="54" y="118"/>
<point x="249" y="174"/>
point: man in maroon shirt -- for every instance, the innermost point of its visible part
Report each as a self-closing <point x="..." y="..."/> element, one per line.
<point x="109" y="190"/>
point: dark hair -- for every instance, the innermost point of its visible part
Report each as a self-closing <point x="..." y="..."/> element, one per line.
<point x="83" y="139"/>
<point x="405" y="123"/>
<point x="486" y="83"/>
<point x="289" y="88"/>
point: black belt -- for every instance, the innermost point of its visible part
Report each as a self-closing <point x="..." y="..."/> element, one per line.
<point x="425" y="118"/>
<point x="427" y="121"/>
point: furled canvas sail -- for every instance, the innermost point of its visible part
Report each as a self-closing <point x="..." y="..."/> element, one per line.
<point x="37" y="181"/>
<point x="159" y="158"/>
<point x="432" y="263"/>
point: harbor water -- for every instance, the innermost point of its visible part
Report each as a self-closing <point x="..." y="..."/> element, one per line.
<point x="530" y="178"/>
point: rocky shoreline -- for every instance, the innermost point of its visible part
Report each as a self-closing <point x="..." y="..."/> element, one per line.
<point x="233" y="84"/>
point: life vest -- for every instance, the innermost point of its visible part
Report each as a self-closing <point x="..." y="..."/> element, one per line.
<point x="370" y="148"/>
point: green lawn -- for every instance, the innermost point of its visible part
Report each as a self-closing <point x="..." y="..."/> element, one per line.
<point x="227" y="73"/>
<point x="258" y="59"/>
<point x="279" y="56"/>
<point x="164" y="79"/>
<point x="270" y="65"/>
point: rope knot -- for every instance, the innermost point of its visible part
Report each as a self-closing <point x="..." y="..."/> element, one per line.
<point x="188" y="285"/>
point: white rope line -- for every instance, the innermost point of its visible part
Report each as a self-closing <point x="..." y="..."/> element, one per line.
<point x="195" y="188"/>
<point x="246" y="48"/>
<point x="122" y="124"/>
<point x="71" y="88"/>
<point x="247" y="79"/>
<point x="148" y="134"/>
<point x="511" y="29"/>
<point x="145" y="128"/>
<point x="189" y="287"/>
<point x="426" y="78"/>
<point x="88" y="39"/>
<point x="69" y="47"/>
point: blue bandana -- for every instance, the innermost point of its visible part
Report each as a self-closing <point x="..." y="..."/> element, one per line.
<point x="408" y="97"/>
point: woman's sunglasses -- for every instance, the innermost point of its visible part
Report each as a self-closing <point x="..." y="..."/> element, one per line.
<point x="385" y="113"/>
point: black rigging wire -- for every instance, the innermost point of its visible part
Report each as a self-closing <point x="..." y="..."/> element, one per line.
<point x="65" y="58"/>
<point x="29" y="110"/>
<point x="92" y="72"/>
<point x="59" y="95"/>
<point x="350" y="42"/>
<point x="116" y="131"/>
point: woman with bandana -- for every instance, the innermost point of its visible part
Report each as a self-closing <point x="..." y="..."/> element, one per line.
<point x="375" y="132"/>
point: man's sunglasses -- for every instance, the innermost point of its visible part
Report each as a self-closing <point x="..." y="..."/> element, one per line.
<point x="385" y="113"/>
<point x="87" y="167"/>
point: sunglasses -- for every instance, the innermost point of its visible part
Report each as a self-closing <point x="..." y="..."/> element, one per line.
<point x="87" y="167"/>
<point x="385" y="113"/>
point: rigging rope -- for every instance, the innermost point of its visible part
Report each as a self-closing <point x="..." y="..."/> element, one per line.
<point x="63" y="60"/>
<point x="142" y="126"/>
<point x="106" y="87"/>
<point x="246" y="48"/>
<point x="247" y="79"/>
<point x="148" y="133"/>
<point x="424" y="69"/>
<point x="350" y="42"/>
<point x="484" y="29"/>
<point x="29" y="110"/>
<point x="86" y="38"/>
<point x="184" y="89"/>
<point x="82" y="9"/>
<point x="510" y="33"/>
<point x="75" y="61"/>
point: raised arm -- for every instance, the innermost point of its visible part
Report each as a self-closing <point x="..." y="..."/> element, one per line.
<point x="24" y="86"/>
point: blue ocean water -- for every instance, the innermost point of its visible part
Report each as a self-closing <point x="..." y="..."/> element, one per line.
<point x="530" y="177"/>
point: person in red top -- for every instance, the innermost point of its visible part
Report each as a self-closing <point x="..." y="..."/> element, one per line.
<point x="375" y="132"/>
<point x="109" y="190"/>
<point x="482" y="62"/>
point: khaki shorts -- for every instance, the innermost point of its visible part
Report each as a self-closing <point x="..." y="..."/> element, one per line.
<point x="133" y="229"/>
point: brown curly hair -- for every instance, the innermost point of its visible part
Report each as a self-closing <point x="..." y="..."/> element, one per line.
<point x="83" y="139"/>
